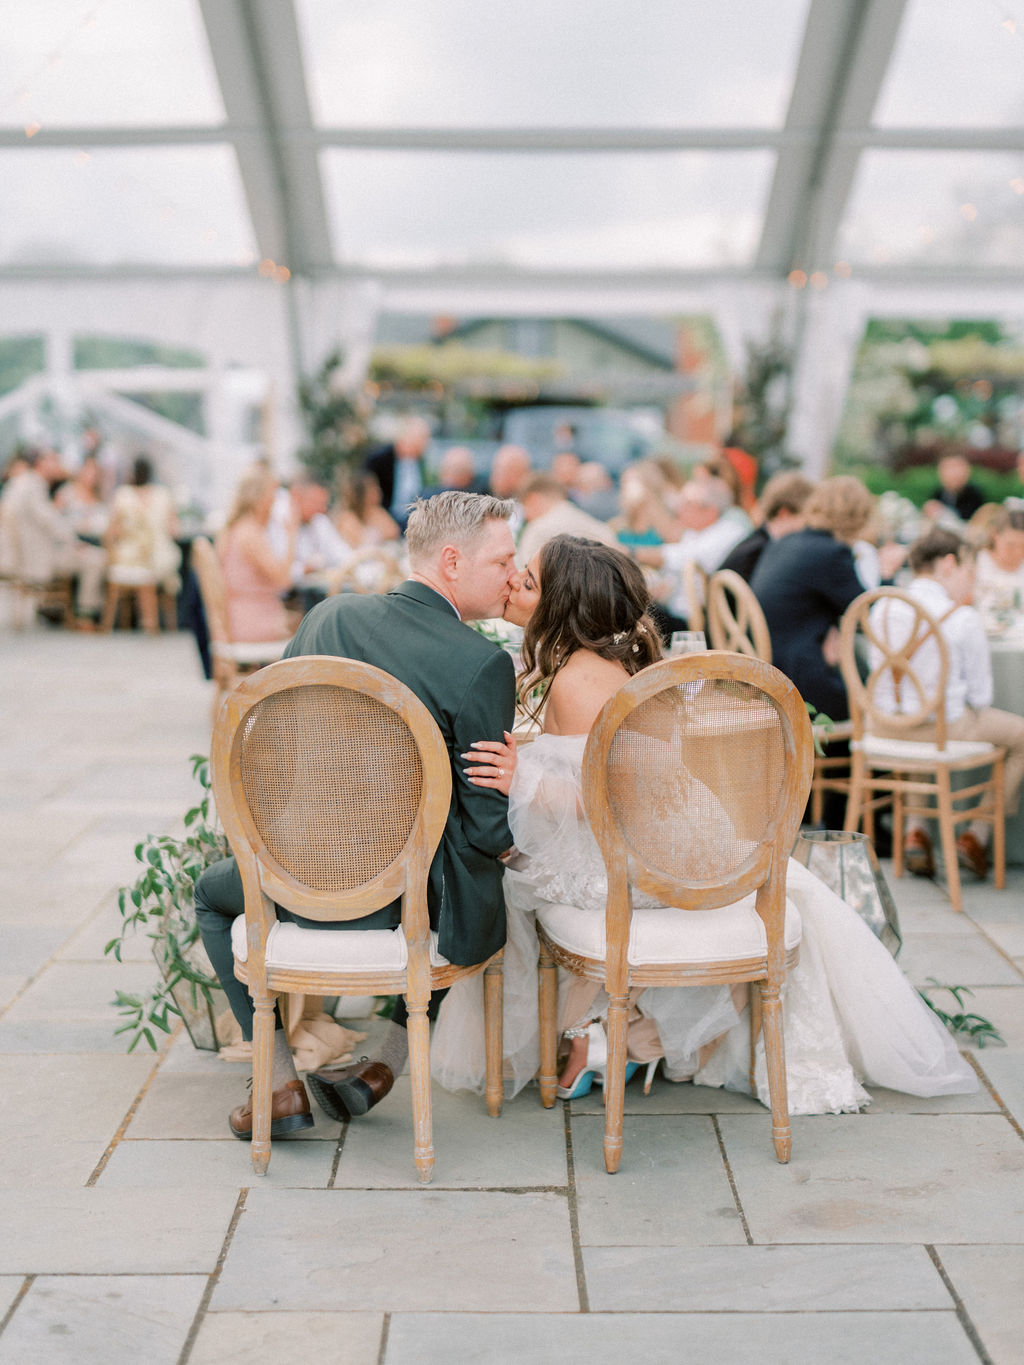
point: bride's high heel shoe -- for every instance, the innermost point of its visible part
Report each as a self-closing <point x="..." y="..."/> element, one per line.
<point x="597" y="1064"/>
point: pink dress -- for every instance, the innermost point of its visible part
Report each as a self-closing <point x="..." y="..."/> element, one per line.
<point x="254" y="606"/>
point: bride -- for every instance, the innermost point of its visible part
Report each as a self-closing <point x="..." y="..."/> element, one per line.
<point x="850" y="1015"/>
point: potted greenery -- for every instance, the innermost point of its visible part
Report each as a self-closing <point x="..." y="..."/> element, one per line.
<point x="160" y="901"/>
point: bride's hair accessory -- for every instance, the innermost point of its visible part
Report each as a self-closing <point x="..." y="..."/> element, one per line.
<point x="618" y="637"/>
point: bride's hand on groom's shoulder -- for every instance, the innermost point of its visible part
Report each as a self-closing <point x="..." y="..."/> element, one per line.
<point x="496" y="763"/>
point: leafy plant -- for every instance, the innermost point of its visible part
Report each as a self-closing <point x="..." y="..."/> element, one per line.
<point x="979" y="1029"/>
<point x="160" y="901"/>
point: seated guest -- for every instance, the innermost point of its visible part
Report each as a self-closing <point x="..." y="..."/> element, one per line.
<point x="318" y="545"/>
<point x="999" y="577"/>
<point x="805" y="581"/>
<point x="400" y="468"/>
<point x="955" y="492"/>
<point x="780" y="509"/>
<point x="254" y="575"/>
<point x="594" y="491"/>
<point x="457" y="469"/>
<point x="37" y="544"/>
<point x="142" y="529"/>
<point x="644" y="496"/>
<point x="511" y="470"/>
<point x="711" y="525"/>
<point x="549" y="513"/>
<point x="943" y="571"/>
<point x="81" y="502"/>
<point x="361" y="519"/>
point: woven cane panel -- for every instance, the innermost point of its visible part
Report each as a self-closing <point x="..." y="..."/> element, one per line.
<point x="333" y="781"/>
<point x="695" y="778"/>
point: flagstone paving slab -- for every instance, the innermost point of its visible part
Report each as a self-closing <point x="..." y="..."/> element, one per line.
<point x="896" y="1102"/>
<point x="762" y="1279"/>
<point x="957" y="960"/>
<point x="96" y="1091"/>
<point x="216" y="1165"/>
<point x="1005" y="1072"/>
<point x="58" y="1161"/>
<point x="401" y="1250"/>
<point x="523" y="1147"/>
<point x="668" y="1338"/>
<point x="669" y="1097"/>
<point x="881" y="1178"/>
<point x="96" y="1319"/>
<point x="112" y="1232"/>
<point x="989" y="1280"/>
<point x="643" y="1203"/>
<point x="270" y="1338"/>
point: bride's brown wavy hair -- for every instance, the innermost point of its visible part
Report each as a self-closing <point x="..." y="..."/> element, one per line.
<point x="591" y="597"/>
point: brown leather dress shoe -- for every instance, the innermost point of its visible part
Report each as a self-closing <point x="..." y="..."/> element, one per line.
<point x="289" y="1113"/>
<point x="348" y="1092"/>
<point x="972" y="854"/>
<point x="918" y="858"/>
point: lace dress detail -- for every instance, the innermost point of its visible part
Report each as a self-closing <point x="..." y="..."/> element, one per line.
<point x="850" y="1014"/>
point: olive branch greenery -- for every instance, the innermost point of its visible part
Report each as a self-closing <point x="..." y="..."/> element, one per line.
<point x="160" y="901"/>
<point x="979" y="1029"/>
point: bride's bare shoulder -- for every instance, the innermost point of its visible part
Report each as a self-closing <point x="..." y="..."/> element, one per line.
<point x="578" y="691"/>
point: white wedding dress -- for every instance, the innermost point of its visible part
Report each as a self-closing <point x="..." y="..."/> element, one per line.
<point x="851" y="1017"/>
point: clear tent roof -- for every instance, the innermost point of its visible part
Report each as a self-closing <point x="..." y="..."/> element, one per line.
<point x="439" y="137"/>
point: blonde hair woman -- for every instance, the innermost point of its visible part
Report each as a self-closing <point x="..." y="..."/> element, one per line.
<point x="254" y="576"/>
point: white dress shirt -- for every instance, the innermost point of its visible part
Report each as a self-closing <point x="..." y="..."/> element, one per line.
<point x="969" y="681"/>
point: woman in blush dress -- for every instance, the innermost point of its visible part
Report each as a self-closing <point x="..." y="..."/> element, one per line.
<point x="850" y="1014"/>
<point x="255" y="577"/>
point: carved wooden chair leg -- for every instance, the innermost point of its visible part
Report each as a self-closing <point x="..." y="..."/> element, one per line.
<point x="419" y="1070"/>
<point x="615" y="1082"/>
<point x="262" y="1080"/>
<point x="947" y="832"/>
<point x="494" y="990"/>
<point x="548" y="1001"/>
<point x="775" y="1054"/>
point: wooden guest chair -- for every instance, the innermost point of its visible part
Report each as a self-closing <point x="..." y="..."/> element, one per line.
<point x="231" y="659"/>
<point x="125" y="583"/>
<point x="333" y="784"/>
<point x="914" y="776"/>
<point x="695" y="776"/>
<point x="735" y="619"/>
<point x="695" y="586"/>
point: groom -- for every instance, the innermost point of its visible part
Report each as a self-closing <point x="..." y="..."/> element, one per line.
<point x="462" y="560"/>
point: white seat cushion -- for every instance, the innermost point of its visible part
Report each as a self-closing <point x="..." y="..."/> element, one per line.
<point x="326" y="950"/>
<point x="258" y="652"/>
<point x="666" y="934"/>
<point x="920" y="751"/>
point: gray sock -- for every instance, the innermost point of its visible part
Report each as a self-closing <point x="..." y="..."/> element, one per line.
<point x="394" y="1050"/>
<point x="283" y="1063"/>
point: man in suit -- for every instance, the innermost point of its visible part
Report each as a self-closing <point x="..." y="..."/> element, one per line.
<point x="400" y="468"/>
<point x="463" y="559"/>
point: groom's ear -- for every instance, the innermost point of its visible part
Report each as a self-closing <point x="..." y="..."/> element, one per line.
<point x="449" y="559"/>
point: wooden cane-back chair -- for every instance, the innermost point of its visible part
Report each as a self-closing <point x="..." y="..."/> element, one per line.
<point x="735" y="619"/>
<point x="695" y="777"/>
<point x="695" y="586"/>
<point x="333" y="784"/>
<point x="906" y="649"/>
<point x="231" y="659"/>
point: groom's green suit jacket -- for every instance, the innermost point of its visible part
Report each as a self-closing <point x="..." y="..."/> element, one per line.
<point x="467" y="684"/>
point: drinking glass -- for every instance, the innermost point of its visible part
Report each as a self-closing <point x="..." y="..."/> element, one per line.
<point x="686" y="642"/>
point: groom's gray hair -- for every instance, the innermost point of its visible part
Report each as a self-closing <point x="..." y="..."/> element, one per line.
<point x="451" y="518"/>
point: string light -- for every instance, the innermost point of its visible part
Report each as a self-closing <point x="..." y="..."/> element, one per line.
<point x="843" y="269"/>
<point x="969" y="211"/>
<point x="1017" y="185"/>
<point x="797" y="278"/>
<point x="819" y="280"/>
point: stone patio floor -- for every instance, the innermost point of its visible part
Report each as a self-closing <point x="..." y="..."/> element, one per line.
<point x="134" y="1230"/>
